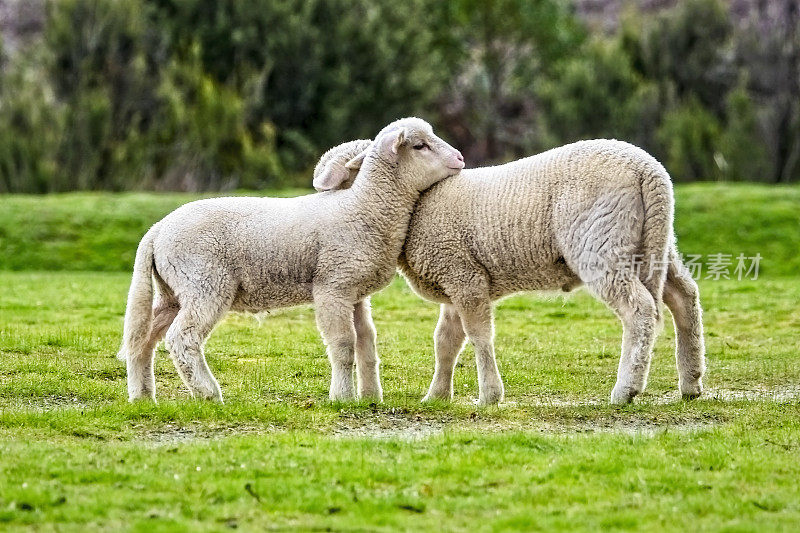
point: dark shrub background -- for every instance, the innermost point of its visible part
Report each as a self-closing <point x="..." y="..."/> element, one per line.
<point x="213" y="95"/>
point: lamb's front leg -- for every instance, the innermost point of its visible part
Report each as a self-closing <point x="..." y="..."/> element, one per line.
<point x="448" y="341"/>
<point x="335" y="322"/>
<point x="476" y="317"/>
<point x="367" y="362"/>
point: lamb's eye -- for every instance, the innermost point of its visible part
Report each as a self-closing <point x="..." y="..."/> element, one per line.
<point x="420" y="146"/>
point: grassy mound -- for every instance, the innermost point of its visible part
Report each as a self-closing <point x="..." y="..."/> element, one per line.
<point x="732" y="218"/>
<point x="82" y="231"/>
<point x="100" y="231"/>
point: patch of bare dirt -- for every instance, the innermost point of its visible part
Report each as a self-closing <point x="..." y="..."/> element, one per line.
<point x="784" y="394"/>
<point x="44" y="404"/>
<point x="400" y="423"/>
<point x="781" y="394"/>
<point x="171" y="434"/>
<point x="381" y="430"/>
<point x="408" y="426"/>
<point x="646" y="428"/>
<point x="383" y="425"/>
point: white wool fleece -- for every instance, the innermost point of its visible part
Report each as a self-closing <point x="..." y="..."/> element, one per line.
<point x="595" y="212"/>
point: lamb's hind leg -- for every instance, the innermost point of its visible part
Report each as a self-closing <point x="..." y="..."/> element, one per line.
<point x="141" y="373"/>
<point x="367" y="362"/>
<point x="683" y="299"/>
<point x="448" y="341"/>
<point x="635" y="307"/>
<point x="185" y="339"/>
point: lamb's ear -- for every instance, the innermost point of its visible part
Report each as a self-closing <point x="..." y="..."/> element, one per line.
<point x="398" y="140"/>
<point x="391" y="141"/>
<point x="331" y="177"/>
<point x="355" y="163"/>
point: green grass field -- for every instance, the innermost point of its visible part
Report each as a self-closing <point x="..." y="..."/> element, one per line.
<point x="74" y="455"/>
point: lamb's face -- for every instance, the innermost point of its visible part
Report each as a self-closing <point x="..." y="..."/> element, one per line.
<point x="424" y="156"/>
<point x="409" y="143"/>
<point x="421" y="157"/>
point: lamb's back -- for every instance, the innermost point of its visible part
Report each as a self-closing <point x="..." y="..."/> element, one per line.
<point x="262" y="245"/>
<point x="505" y="220"/>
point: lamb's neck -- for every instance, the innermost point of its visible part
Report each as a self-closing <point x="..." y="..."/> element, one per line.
<point x="386" y="209"/>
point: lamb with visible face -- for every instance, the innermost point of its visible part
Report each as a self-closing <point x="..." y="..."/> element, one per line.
<point x="332" y="249"/>
<point x="596" y="212"/>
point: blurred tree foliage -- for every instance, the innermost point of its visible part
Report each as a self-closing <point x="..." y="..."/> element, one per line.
<point x="768" y="49"/>
<point x="502" y="51"/>
<point x="314" y="72"/>
<point x="208" y="95"/>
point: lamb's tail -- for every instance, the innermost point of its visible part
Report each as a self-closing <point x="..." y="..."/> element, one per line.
<point x="139" y="310"/>
<point x="657" y="233"/>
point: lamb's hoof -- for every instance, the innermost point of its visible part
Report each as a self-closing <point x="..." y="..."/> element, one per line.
<point x="622" y="395"/>
<point x="373" y="396"/>
<point x="341" y="396"/>
<point x="212" y="398"/>
<point x="691" y="391"/>
<point x="492" y="396"/>
<point x="438" y="397"/>
<point x="142" y="398"/>
<point x="209" y="392"/>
